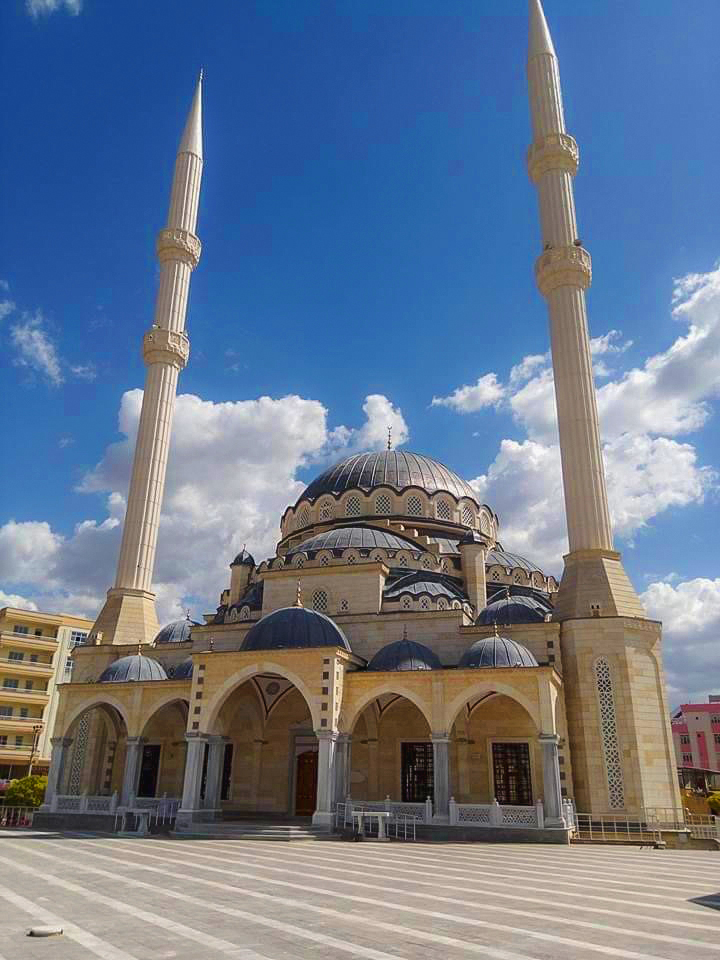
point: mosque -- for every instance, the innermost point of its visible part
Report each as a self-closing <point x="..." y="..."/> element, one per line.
<point x="392" y="651"/>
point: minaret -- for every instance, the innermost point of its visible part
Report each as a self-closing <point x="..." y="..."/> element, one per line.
<point x="128" y="615"/>
<point x="594" y="582"/>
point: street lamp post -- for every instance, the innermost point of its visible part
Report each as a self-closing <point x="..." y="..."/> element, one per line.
<point x="37" y="730"/>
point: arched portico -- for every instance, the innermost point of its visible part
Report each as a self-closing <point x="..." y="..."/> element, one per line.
<point x="238" y="678"/>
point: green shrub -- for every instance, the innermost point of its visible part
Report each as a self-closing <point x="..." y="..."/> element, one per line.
<point x="714" y="803"/>
<point x="26" y="792"/>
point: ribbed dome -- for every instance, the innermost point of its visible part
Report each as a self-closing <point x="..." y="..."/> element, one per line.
<point x="510" y="560"/>
<point x="514" y="609"/>
<point x="421" y="582"/>
<point x="392" y="468"/>
<point x="497" y="652"/>
<point x="184" y="670"/>
<point x="405" y="655"/>
<point x="294" y="628"/>
<point x="176" y="632"/>
<point x="132" y="668"/>
<point x="361" y="538"/>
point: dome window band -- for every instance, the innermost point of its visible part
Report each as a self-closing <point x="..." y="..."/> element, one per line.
<point x="352" y="507"/>
<point x="325" y="561"/>
<point x="383" y="505"/>
<point x="468" y="517"/>
<point x="326" y="512"/>
<point x="413" y="507"/>
<point x="304" y="517"/>
<point x="320" y="601"/>
<point x="442" y="510"/>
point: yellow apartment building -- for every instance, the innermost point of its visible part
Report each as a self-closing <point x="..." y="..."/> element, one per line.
<point x="34" y="658"/>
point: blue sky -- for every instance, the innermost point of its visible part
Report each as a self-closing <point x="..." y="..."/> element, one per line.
<point x="369" y="230"/>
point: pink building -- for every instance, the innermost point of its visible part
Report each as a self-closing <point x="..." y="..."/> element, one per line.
<point x="696" y="734"/>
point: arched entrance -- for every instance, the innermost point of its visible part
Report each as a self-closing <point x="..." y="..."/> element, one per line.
<point x="270" y="750"/>
<point x="163" y="751"/>
<point x="97" y="746"/>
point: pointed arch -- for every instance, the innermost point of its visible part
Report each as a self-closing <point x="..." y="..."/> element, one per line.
<point x="483" y="687"/>
<point x="247" y="673"/>
<point x="348" y="719"/>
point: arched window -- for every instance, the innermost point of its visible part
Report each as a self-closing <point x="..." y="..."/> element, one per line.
<point x="326" y="510"/>
<point x="378" y="558"/>
<point x="406" y="603"/>
<point x="608" y="730"/>
<point x="344" y="606"/>
<point x="303" y="517"/>
<point x="468" y="515"/>
<point x="413" y="506"/>
<point x="442" y="510"/>
<point x="383" y="504"/>
<point x="495" y="575"/>
<point x="320" y="601"/>
<point x="403" y="562"/>
<point x="352" y="558"/>
<point x="245" y="613"/>
<point x="324" y="561"/>
<point x="442" y="604"/>
<point x="427" y="563"/>
<point x="425" y="603"/>
<point x="517" y="578"/>
<point x="299" y="560"/>
<point x="352" y="507"/>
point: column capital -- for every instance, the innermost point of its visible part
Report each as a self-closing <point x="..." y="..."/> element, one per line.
<point x="216" y="738"/>
<point x="569" y="266"/>
<point x="327" y="734"/>
<point x="135" y="741"/>
<point x="61" y="741"/>
<point x="166" y="346"/>
<point x="196" y="736"/>
<point x="441" y="738"/>
<point x="176" y="244"/>
<point x="548" y="738"/>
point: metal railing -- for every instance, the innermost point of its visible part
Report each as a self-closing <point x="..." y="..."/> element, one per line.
<point x="401" y="823"/>
<point x="18" y="747"/>
<point x="12" y="817"/>
<point x="703" y="826"/>
<point x="615" y="828"/>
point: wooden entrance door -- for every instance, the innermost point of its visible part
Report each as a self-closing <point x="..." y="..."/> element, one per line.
<point x="306" y="775"/>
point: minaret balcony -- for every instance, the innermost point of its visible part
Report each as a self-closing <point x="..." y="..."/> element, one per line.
<point x="166" y="346"/>
<point x="563" y="267"/>
<point x="175" y="244"/>
<point x="556" y="151"/>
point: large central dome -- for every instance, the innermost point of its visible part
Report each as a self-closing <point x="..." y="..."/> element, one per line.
<point x="392" y="468"/>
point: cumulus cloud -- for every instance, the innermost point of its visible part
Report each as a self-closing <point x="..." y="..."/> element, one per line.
<point x="690" y="612"/>
<point x="15" y="600"/>
<point x="41" y="8"/>
<point x="232" y="470"/>
<point x="487" y="392"/>
<point x="34" y="349"/>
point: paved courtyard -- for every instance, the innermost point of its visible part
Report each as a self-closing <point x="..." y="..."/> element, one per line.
<point x="128" y="899"/>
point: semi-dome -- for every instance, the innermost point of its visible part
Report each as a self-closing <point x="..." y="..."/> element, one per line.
<point x="294" y="628"/>
<point x="514" y="609"/>
<point x="405" y="655"/>
<point x="357" y="537"/>
<point x="184" y="670"/>
<point x="176" y="632"/>
<point x="497" y="652"/>
<point x="136" y="667"/>
<point x="398" y="469"/>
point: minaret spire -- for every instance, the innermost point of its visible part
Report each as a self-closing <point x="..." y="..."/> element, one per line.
<point x="128" y="615"/>
<point x="563" y="272"/>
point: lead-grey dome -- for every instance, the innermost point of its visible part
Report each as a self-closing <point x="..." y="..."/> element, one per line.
<point x="497" y="652"/>
<point x="357" y="537"/>
<point x="243" y="559"/>
<point x="514" y="609"/>
<point x="176" y="632"/>
<point x="184" y="670"/>
<point x="398" y="469"/>
<point x="405" y="655"/>
<point x="136" y="667"/>
<point x="294" y="628"/>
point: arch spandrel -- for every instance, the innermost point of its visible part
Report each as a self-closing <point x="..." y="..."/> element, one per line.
<point x="527" y="698"/>
<point x="239" y="677"/>
<point x="355" y="702"/>
<point x="102" y="701"/>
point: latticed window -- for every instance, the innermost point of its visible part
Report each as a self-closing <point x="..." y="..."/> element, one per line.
<point x="379" y="558"/>
<point x="417" y="772"/>
<point x="427" y="563"/>
<point x="442" y="510"/>
<point x="403" y="561"/>
<point x="608" y="730"/>
<point x="324" y="561"/>
<point x="442" y="604"/>
<point x="484" y="523"/>
<point x="245" y="613"/>
<point x="406" y="603"/>
<point x="468" y="516"/>
<point x="352" y="558"/>
<point x="517" y="578"/>
<point x="352" y="507"/>
<point x="495" y="575"/>
<point x="511" y="769"/>
<point x="320" y="601"/>
<point x="383" y="504"/>
<point x="300" y="561"/>
<point x="303" y="517"/>
<point x="414" y="507"/>
<point x="326" y="511"/>
<point x="425" y="603"/>
<point x="344" y="606"/>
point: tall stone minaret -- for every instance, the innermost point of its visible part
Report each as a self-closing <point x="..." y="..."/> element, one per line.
<point x="128" y="615"/>
<point x="623" y="759"/>
<point x="594" y="582"/>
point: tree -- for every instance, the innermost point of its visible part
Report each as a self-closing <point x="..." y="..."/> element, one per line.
<point x="26" y="792"/>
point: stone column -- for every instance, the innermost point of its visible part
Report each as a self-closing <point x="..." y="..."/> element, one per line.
<point x="133" y="756"/>
<point x="325" y="809"/>
<point x="216" y="756"/>
<point x="441" y="778"/>
<point x="551" y="778"/>
<point x="342" y="768"/>
<point x="58" y="760"/>
<point x="191" y="806"/>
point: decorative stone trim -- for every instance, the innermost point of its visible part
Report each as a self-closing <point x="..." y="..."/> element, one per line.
<point x="166" y="346"/>
<point x="563" y="267"/>
<point x="609" y="735"/>
<point x="174" y="244"/>
<point x="556" y="151"/>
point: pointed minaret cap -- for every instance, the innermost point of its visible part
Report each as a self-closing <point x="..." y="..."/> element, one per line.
<point x="192" y="135"/>
<point x="540" y="40"/>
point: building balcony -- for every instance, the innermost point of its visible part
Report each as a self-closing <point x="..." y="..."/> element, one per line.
<point x="11" y="695"/>
<point x="15" y="752"/>
<point x="19" y="724"/>
<point x="25" y="668"/>
<point x="27" y="641"/>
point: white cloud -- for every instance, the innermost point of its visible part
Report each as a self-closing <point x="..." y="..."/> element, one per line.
<point x="40" y="8"/>
<point x="232" y="471"/>
<point x="487" y="392"/>
<point x="27" y="551"/>
<point x="15" y="600"/>
<point x="6" y="308"/>
<point x="690" y="612"/>
<point x="84" y="371"/>
<point x="34" y="349"/>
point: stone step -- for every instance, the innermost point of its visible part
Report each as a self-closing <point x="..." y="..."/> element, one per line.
<point x="253" y="830"/>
